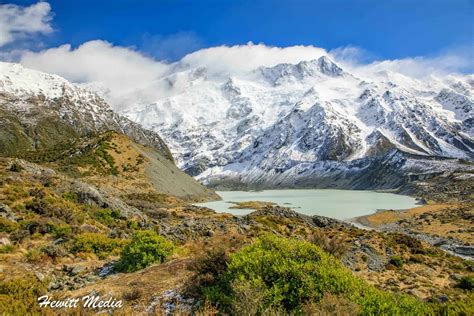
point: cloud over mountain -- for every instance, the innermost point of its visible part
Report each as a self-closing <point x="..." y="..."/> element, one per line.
<point x="119" y="70"/>
<point x="125" y="74"/>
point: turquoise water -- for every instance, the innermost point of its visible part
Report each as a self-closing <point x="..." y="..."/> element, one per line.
<point x="339" y="204"/>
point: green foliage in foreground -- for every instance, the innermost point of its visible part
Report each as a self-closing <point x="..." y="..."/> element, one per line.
<point x="19" y="296"/>
<point x="99" y="244"/>
<point x="146" y="247"/>
<point x="279" y="273"/>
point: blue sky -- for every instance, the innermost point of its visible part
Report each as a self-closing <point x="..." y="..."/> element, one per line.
<point x="170" y="29"/>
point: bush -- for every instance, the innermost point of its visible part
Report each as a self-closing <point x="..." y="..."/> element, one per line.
<point x="396" y="261"/>
<point x="107" y="217"/>
<point x="59" y="230"/>
<point x="209" y="269"/>
<point x="289" y="274"/>
<point x="6" y="248"/>
<point x="19" y="235"/>
<point x="146" y="247"/>
<point x="54" y="251"/>
<point x="336" y="245"/>
<point x="19" y="296"/>
<point x="248" y="299"/>
<point x="70" y="196"/>
<point x="409" y="243"/>
<point x="50" y="205"/>
<point x="97" y="243"/>
<point x="331" y="305"/>
<point x="34" y="255"/>
<point x="461" y="307"/>
<point x="466" y="283"/>
<point x="8" y="226"/>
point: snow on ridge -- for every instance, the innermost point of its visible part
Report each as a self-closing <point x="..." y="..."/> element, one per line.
<point x="282" y="118"/>
<point x="240" y="112"/>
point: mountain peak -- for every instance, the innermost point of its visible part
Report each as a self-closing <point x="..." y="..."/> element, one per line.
<point x="306" y="69"/>
<point x="328" y="67"/>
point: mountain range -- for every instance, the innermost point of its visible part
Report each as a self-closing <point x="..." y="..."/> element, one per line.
<point x="309" y="124"/>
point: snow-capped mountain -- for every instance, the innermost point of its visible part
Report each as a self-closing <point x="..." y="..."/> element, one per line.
<point x="38" y="110"/>
<point x="298" y="123"/>
<point x="312" y="123"/>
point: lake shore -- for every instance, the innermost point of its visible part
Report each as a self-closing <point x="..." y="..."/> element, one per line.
<point x="448" y="226"/>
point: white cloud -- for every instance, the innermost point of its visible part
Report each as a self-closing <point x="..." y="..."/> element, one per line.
<point x="351" y="55"/>
<point x="244" y="58"/>
<point x="131" y="77"/>
<point x="456" y="60"/>
<point x="119" y="69"/>
<point x="420" y="67"/>
<point x="128" y="75"/>
<point x="17" y="22"/>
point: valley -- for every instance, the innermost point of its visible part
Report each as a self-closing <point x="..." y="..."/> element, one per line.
<point x="94" y="201"/>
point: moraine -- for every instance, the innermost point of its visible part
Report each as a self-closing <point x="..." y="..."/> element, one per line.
<point x="338" y="204"/>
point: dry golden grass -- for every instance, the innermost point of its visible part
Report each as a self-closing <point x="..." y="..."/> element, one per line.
<point x="446" y="220"/>
<point x="388" y="217"/>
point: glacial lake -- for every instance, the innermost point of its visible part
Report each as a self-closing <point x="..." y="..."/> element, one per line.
<point x="339" y="204"/>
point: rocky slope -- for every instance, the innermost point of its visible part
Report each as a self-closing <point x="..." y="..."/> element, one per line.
<point x="309" y="123"/>
<point x="40" y="111"/>
<point x="46" y="119"/>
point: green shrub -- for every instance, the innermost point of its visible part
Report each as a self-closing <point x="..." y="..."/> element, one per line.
<point x="289" y="274"/>
<point x="102" y="152"/>
<point x="97" y="243"/>
<point x="8" y="226"/>
<point x="34" y="255"/>
<point x="107" y="216"/>
<point x="19" y="296"/>
<point x="6" y="248"/>
<point x="396" y="261"/>
<point x="466" y="283"/>
<point x="70" y="196"/>
<point x="51" y="205"/>
<point x="464" y="307"/>
<point x="146" y="247"/>
<point x="59" y="230"/>
<point x="54" y="251"/>
<point x="132" y="224"/>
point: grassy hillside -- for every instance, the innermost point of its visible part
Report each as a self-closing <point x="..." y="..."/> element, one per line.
<point x="68" y="236"/>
